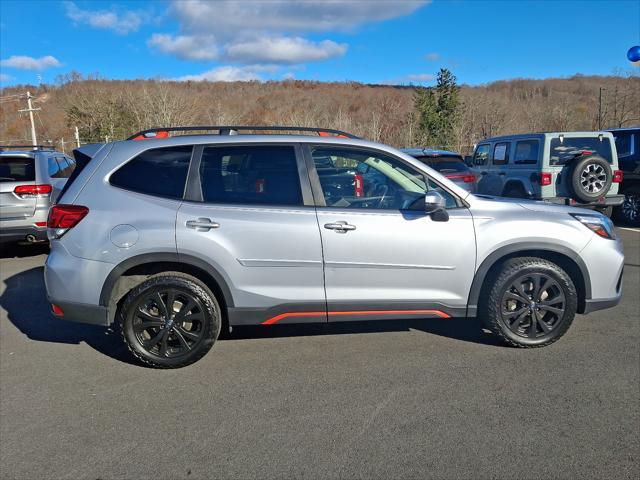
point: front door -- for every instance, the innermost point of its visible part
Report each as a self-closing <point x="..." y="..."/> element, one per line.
<point x="383" y="256"/>
<point x="250" y="221"/>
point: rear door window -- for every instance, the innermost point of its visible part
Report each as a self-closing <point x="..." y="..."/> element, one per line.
<point x="481" y="157"/>
<point x="17" y="169"/>
<point x="567" y="148"/>
<point x="501" y="153"/>
<point x="526" y="152"/>
<point x="255" y="175"/>
<point x="161" y="172"/>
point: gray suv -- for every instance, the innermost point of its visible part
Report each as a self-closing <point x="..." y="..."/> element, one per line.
<point x="175" y="239"/>
<point x="30" y="181"/>
<point x="570" y="168"/>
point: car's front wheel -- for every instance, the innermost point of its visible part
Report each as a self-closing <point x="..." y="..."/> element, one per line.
<point x="170" y="320"/>
<point x="531" y="303"/>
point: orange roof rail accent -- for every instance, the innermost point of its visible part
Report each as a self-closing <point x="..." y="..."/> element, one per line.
<point x="158" y="135"/>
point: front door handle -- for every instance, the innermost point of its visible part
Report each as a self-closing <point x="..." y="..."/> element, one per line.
<point x="340" y="227"/>
<point x="202" y="224"/>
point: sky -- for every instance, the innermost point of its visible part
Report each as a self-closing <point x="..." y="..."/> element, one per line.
<point x="374" y="41"/>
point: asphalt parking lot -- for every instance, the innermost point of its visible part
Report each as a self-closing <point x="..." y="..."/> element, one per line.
<point x="419" y="399"/>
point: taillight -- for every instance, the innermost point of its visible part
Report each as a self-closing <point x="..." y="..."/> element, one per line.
<point x="63" y="217"/>
<point x="618" y="176"/>
<point x="29" y="191"/>
<point x="545" y="179"/>
<point x="358" y="186"/>
<point x="466" y="178"/>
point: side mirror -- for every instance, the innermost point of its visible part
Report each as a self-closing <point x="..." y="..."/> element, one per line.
<point x="433" y="201"/>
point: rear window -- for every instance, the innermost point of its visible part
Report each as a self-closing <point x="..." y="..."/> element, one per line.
<point x="17" y="169"/>
<point x="569" y="148"/>
<point x="445" y="164"/>
<point x="161" y="172"/>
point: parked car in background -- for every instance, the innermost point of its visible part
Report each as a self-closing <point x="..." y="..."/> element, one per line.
<point x="570" y="168"/>
<point x="176" y="239"/>
<point x="30" y="181"/>
<point x="449" y="164"/>
<point x="628" y="148"/>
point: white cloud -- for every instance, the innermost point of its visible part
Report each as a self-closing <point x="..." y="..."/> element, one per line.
<point x="230" y="74"/>
<point x="23" y="62"/>
<point x="421" y="77"/>
<point x="432" y="57"/>
<point x="200" y="48"/>
<point x="120" y="22"/>
<point x="254" y="31"/>
<point x="227" y="17"/>
<point x="284" y="50"/>
<point x="5" y="78"/>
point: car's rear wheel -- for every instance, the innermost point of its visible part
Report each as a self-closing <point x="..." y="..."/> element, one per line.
<point x="170" y="320"/>
<point x="629" y="211"/>
<point x="531" y="303"/>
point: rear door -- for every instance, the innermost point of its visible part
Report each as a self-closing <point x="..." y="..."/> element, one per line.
<point x="15" y="171"/>
<point x="250" y="215"/>
<point x="385" y="258"/>
<point x="499" y="165"/>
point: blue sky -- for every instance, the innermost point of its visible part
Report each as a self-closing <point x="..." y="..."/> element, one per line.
<point x="369" y="41"/>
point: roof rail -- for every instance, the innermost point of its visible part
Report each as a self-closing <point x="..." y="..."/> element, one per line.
<point x="29" y="147"/>
<point x="163" y="132"/>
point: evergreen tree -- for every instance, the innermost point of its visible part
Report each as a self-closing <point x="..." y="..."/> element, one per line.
<point x="437" y="111"/>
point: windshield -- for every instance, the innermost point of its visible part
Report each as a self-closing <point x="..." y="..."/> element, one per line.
<point x="563" y="151"/>
<point x="17" y="169"/>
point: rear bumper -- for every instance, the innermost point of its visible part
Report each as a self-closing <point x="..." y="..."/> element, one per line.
<point x="81" y="312"/>
<point x="610" y="200"/>
<point x="19" y="234"/>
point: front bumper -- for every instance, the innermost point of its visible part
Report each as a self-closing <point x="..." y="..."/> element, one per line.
<point x="20" y="234"/>
<point x="609" y="200"/>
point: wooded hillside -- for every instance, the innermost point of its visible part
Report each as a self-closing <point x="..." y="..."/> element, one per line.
<point x="115" y="109"/>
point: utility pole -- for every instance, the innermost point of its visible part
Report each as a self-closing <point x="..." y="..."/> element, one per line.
<point x="62" y="145"/>
<point x="77" y="138"/>
<point x="30" y="109"/>
<point x="600" y="109"/>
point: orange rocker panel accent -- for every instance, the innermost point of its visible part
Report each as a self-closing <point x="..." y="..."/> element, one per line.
<point x="281" y="316"/>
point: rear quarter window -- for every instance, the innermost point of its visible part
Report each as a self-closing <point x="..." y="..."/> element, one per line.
<point x="17" y="169"/>
<point x="526" y="152"/>
<point x="161" y="172"/>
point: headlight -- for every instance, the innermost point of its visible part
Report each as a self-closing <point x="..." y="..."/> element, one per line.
<point x="597" y="223"/>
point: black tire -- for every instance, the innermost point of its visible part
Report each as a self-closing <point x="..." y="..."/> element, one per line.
<point x="514" y="192"/>
<point x="629" y="211"/>
<point x="591" y="178"/>
<point x="164" y="337"/>
<point x="533" y="322"/>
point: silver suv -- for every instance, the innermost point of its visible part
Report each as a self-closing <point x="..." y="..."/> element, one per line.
<point x="30" y="181"/>
<point x="570" y="168"/>
<point x="175" y="239"/>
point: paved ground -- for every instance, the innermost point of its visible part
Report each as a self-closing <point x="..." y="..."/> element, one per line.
<point x="431" y="398"/>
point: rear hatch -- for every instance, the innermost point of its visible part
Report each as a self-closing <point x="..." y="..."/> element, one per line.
<point x="16" y="171"/>
<point x="452" y="167"/>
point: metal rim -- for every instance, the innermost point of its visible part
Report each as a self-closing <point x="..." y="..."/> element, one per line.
<point x="631" y="207"/>
<point x="593" y="178"/>
<point x="168" y="322"/>
<point x="533" y="305"/>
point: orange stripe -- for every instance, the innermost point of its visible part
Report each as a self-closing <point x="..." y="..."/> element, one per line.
<point x="277" y="318"/>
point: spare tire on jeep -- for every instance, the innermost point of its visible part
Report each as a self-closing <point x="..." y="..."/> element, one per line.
<point x="591" y="178"/>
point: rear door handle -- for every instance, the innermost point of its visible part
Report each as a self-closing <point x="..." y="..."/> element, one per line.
<point x="202" y="224"/>
<point x="340" y="227"/>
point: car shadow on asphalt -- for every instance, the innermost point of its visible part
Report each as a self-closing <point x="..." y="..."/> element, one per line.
<point x="27" y="308"/>
<point x="17" y="250"/>
<point x="25" y="302"/>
